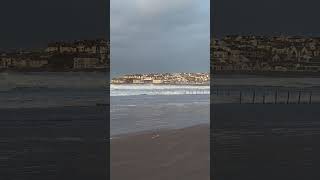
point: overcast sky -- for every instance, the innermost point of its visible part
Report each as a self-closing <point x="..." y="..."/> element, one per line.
<point x="32" y="23"/>
<point x="159" y="36"/>
<point x="293" y="17"/>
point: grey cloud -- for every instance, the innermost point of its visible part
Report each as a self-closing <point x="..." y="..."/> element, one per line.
<point x="33" y="23"/>
<point x="159" y="36"/>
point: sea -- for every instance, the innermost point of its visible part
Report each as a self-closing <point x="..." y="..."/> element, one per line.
<point x="51" y="89"/>
<point x="138" y="108"/>
<point x="261" y="127"/>
<point x="53" y="124"/>
<point x="265" y="128"/>
<point x="51" y="127"/>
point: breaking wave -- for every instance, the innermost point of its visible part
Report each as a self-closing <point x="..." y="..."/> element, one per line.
<point x="132" y="90"/>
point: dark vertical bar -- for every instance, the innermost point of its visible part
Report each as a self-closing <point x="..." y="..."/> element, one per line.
<point x="254" y="97"/>
<point x="264" y="98"/>
<point x="299" y="99"/>
<point x="108" y="134"/>
<point x="310" y="97"/>
<point x="276" y="97"/>
<point x="288" y="97"/>
<point x="240" y="97"/>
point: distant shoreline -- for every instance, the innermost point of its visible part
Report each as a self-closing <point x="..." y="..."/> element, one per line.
<point x="220" y="73"/>
<point x="162" y="84"/>
<point x="268" y="74"/>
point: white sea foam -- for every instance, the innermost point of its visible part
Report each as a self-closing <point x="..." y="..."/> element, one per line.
<point x="131" y="90"/>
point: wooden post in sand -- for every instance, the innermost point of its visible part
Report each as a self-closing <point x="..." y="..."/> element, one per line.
<point x="299" y="99"/>
<point x="288" y="97"/>
<point x="254" y="97"/>
<point x="310" y="97"/>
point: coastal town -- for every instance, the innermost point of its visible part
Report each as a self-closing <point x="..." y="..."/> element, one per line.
<point x="232" y="53"/>
<point x="249" y="53"/>
<point x="88" y="55"/>
<point x="164" y="78"/>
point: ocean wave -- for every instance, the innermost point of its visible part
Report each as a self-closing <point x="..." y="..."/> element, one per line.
<point x="135" y="90"/>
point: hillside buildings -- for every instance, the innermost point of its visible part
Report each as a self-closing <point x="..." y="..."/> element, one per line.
<point x="165" y="78"/>
<point x="265" y="54"/>
<point x="66" y="56"/>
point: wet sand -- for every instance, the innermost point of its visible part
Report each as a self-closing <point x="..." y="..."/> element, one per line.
<point x="266" y="141"/>
<point x="53" y="143"/>
<point x="167" y="154"/>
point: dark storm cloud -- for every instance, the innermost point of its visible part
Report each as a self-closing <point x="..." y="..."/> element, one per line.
<point x="32" y="23"/>
<point x="159" y="36"/>
<point x="297" y="17"/>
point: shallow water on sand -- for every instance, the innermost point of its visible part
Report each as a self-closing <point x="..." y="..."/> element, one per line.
<point x="50" y="89"/>
<point x="50" y="126"/>
<point x="53" y="143"/>
<point x="265" y="141"/>
<point x="143" y="113"/>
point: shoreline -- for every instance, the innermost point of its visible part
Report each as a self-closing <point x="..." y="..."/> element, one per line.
<point x="158" y="95"/>
<point x="267" y="74"/>
<point x="218" y="74"/>
<point x="160" y="84"/>
<point x="154" y="131"/>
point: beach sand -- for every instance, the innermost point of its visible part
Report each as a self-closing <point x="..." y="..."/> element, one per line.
<point x="158" y="155"/>
<point x="266" y="141"/>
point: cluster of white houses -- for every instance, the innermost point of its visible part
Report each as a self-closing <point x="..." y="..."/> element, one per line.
<point x="164" y="78"/>
<point x="265" y="53"/>
<point x="86" y="54"/>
